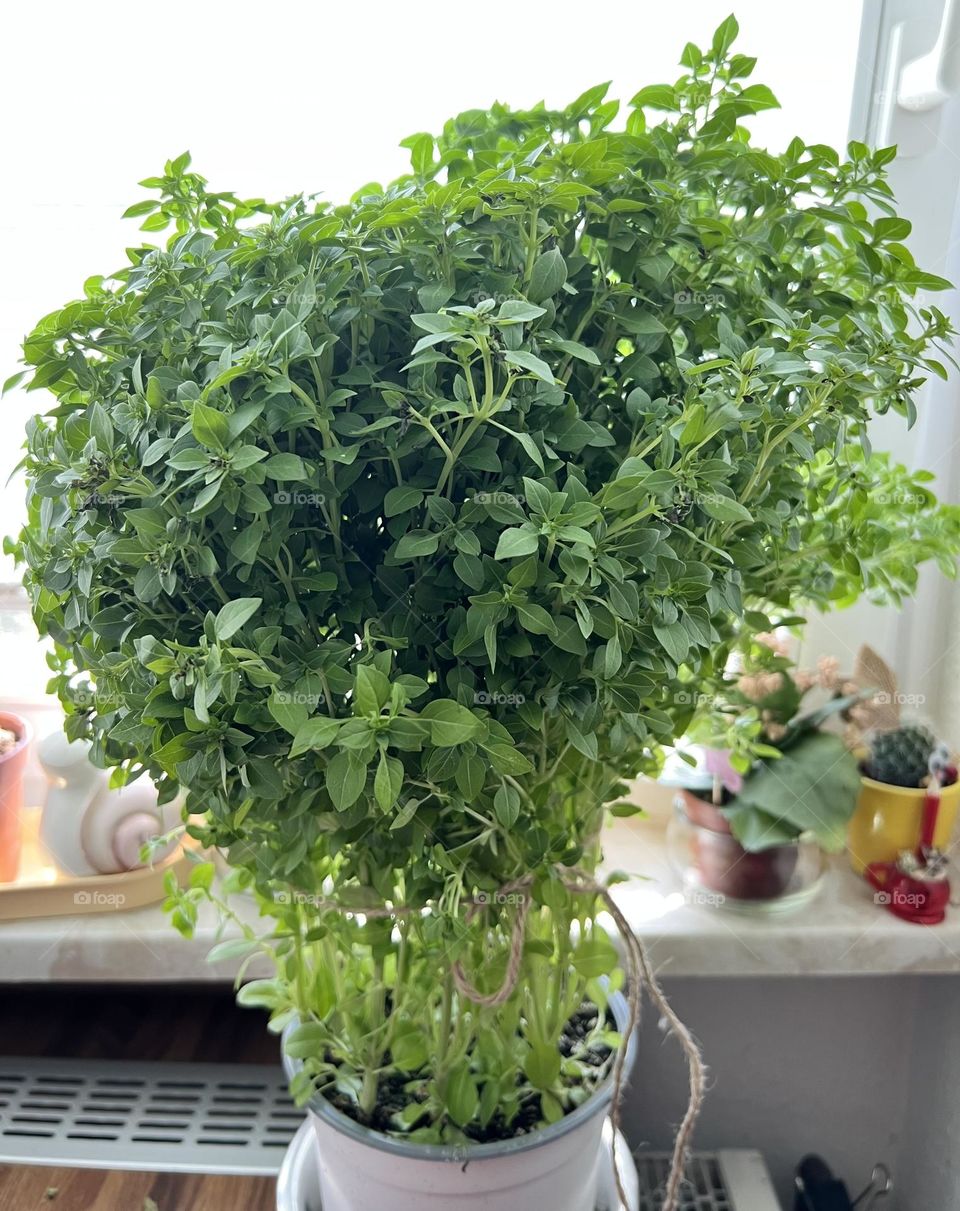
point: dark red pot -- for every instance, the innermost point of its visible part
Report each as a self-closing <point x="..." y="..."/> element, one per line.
<point x="725" y="866"/>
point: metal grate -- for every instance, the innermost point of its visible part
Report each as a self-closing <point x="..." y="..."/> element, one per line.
<point x="704" y="1189"/>
<point x="730" y="1180"/>
<point x="199" y="1118"/>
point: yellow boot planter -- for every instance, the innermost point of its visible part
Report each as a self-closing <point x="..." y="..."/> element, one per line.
<point x="889" y="812"/>
<point x="887" y="820"/>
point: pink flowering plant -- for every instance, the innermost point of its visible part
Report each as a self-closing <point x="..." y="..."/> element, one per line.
<point x="780" y="772"/>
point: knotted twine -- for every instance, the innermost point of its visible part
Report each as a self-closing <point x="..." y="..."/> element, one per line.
<point x="640" y="976"/>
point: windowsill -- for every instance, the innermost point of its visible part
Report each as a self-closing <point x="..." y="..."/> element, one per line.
<point x="841" y="932"/>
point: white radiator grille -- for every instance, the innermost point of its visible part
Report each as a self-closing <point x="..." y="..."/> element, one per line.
<point x="209" y="1118"/>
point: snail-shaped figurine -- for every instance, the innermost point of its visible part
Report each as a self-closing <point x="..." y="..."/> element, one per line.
<point x="87" y="828"/>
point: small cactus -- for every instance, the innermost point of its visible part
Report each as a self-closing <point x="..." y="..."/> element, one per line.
<point x="900" y="757"/>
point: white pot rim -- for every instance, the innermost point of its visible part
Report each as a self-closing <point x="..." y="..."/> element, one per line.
<point x="596" y="1103"/>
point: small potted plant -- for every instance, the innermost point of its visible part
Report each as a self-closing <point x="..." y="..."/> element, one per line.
<point x="895" y="773"/>
<point x="390" y="533"/>
<point x="782" y="794"/>
<point x="897" y="761"/>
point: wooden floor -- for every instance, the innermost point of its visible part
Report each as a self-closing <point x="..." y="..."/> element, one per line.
<point x="29" y="1188"/>
<point x="131" y="1023"/>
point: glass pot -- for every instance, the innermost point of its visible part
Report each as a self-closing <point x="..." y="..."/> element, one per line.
<point x="716" y="870"/>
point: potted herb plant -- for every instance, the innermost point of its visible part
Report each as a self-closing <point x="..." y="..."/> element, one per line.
<point x="391" y="531"/>
<point x="782" y="794"/>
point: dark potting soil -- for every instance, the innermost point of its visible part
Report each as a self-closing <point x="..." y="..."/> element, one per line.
<point x="393" y="1095"/>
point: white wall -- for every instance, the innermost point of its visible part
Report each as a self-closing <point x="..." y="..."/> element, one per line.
<point x="930" y="1156"/>
<point x="824" y="1065"/>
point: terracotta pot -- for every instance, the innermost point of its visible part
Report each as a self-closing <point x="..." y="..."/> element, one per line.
<point x="726" y="867"/>
<point x="12" y="764"/>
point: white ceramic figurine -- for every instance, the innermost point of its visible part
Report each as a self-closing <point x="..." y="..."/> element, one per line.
<point x="86" y="827"/>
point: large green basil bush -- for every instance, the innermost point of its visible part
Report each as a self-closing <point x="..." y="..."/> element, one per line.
<point x="397" y="532"/>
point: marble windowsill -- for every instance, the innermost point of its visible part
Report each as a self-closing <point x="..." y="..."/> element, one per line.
<point x="841" y="932"/>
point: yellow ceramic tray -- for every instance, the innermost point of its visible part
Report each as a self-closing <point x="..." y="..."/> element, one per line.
<point x="40" y="890"/>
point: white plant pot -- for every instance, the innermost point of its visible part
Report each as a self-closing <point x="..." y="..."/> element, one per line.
<point x="298" y="1182"/>
<point x="554" y="1169"/>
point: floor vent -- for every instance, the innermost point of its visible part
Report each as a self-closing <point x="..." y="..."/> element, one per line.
<point x="169" y="1117"/>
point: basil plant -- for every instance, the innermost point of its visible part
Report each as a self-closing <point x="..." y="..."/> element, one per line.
<point x="394" y="535"/>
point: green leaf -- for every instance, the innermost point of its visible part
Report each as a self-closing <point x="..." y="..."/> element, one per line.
<point x="345" y="778"/>
<point x="655" y="96"/>
<point x="417" y="543"/>
<point x="371" y="690"/>
<point x="542" y="1065"/>
<point x="527" y="361"/>
<point x="401" y="500"/>
<point x="317" y="733"/>
<point x="506" y="804"/>
<point x="388" y="781"/>
<point x="283" y="467"/>
<point x="812" y="787"/>
<point x="722" y="508"/>
<point x="450" y="723"/>
<point x="517" y="542"/>
<point x="536" y="620"/>
<point x="288" y="712"/>
<point x="518" y="311"/>
<point x="507" y="760"/>
<point x="460" y="1096"/>
<point x="577" y="350"/>
<point x="725" y="36"/>
<point x="595" y="956"/>
<point x="234" y="615"/>
<point x="209" y="427"/>
<point x="547" y="276"/>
